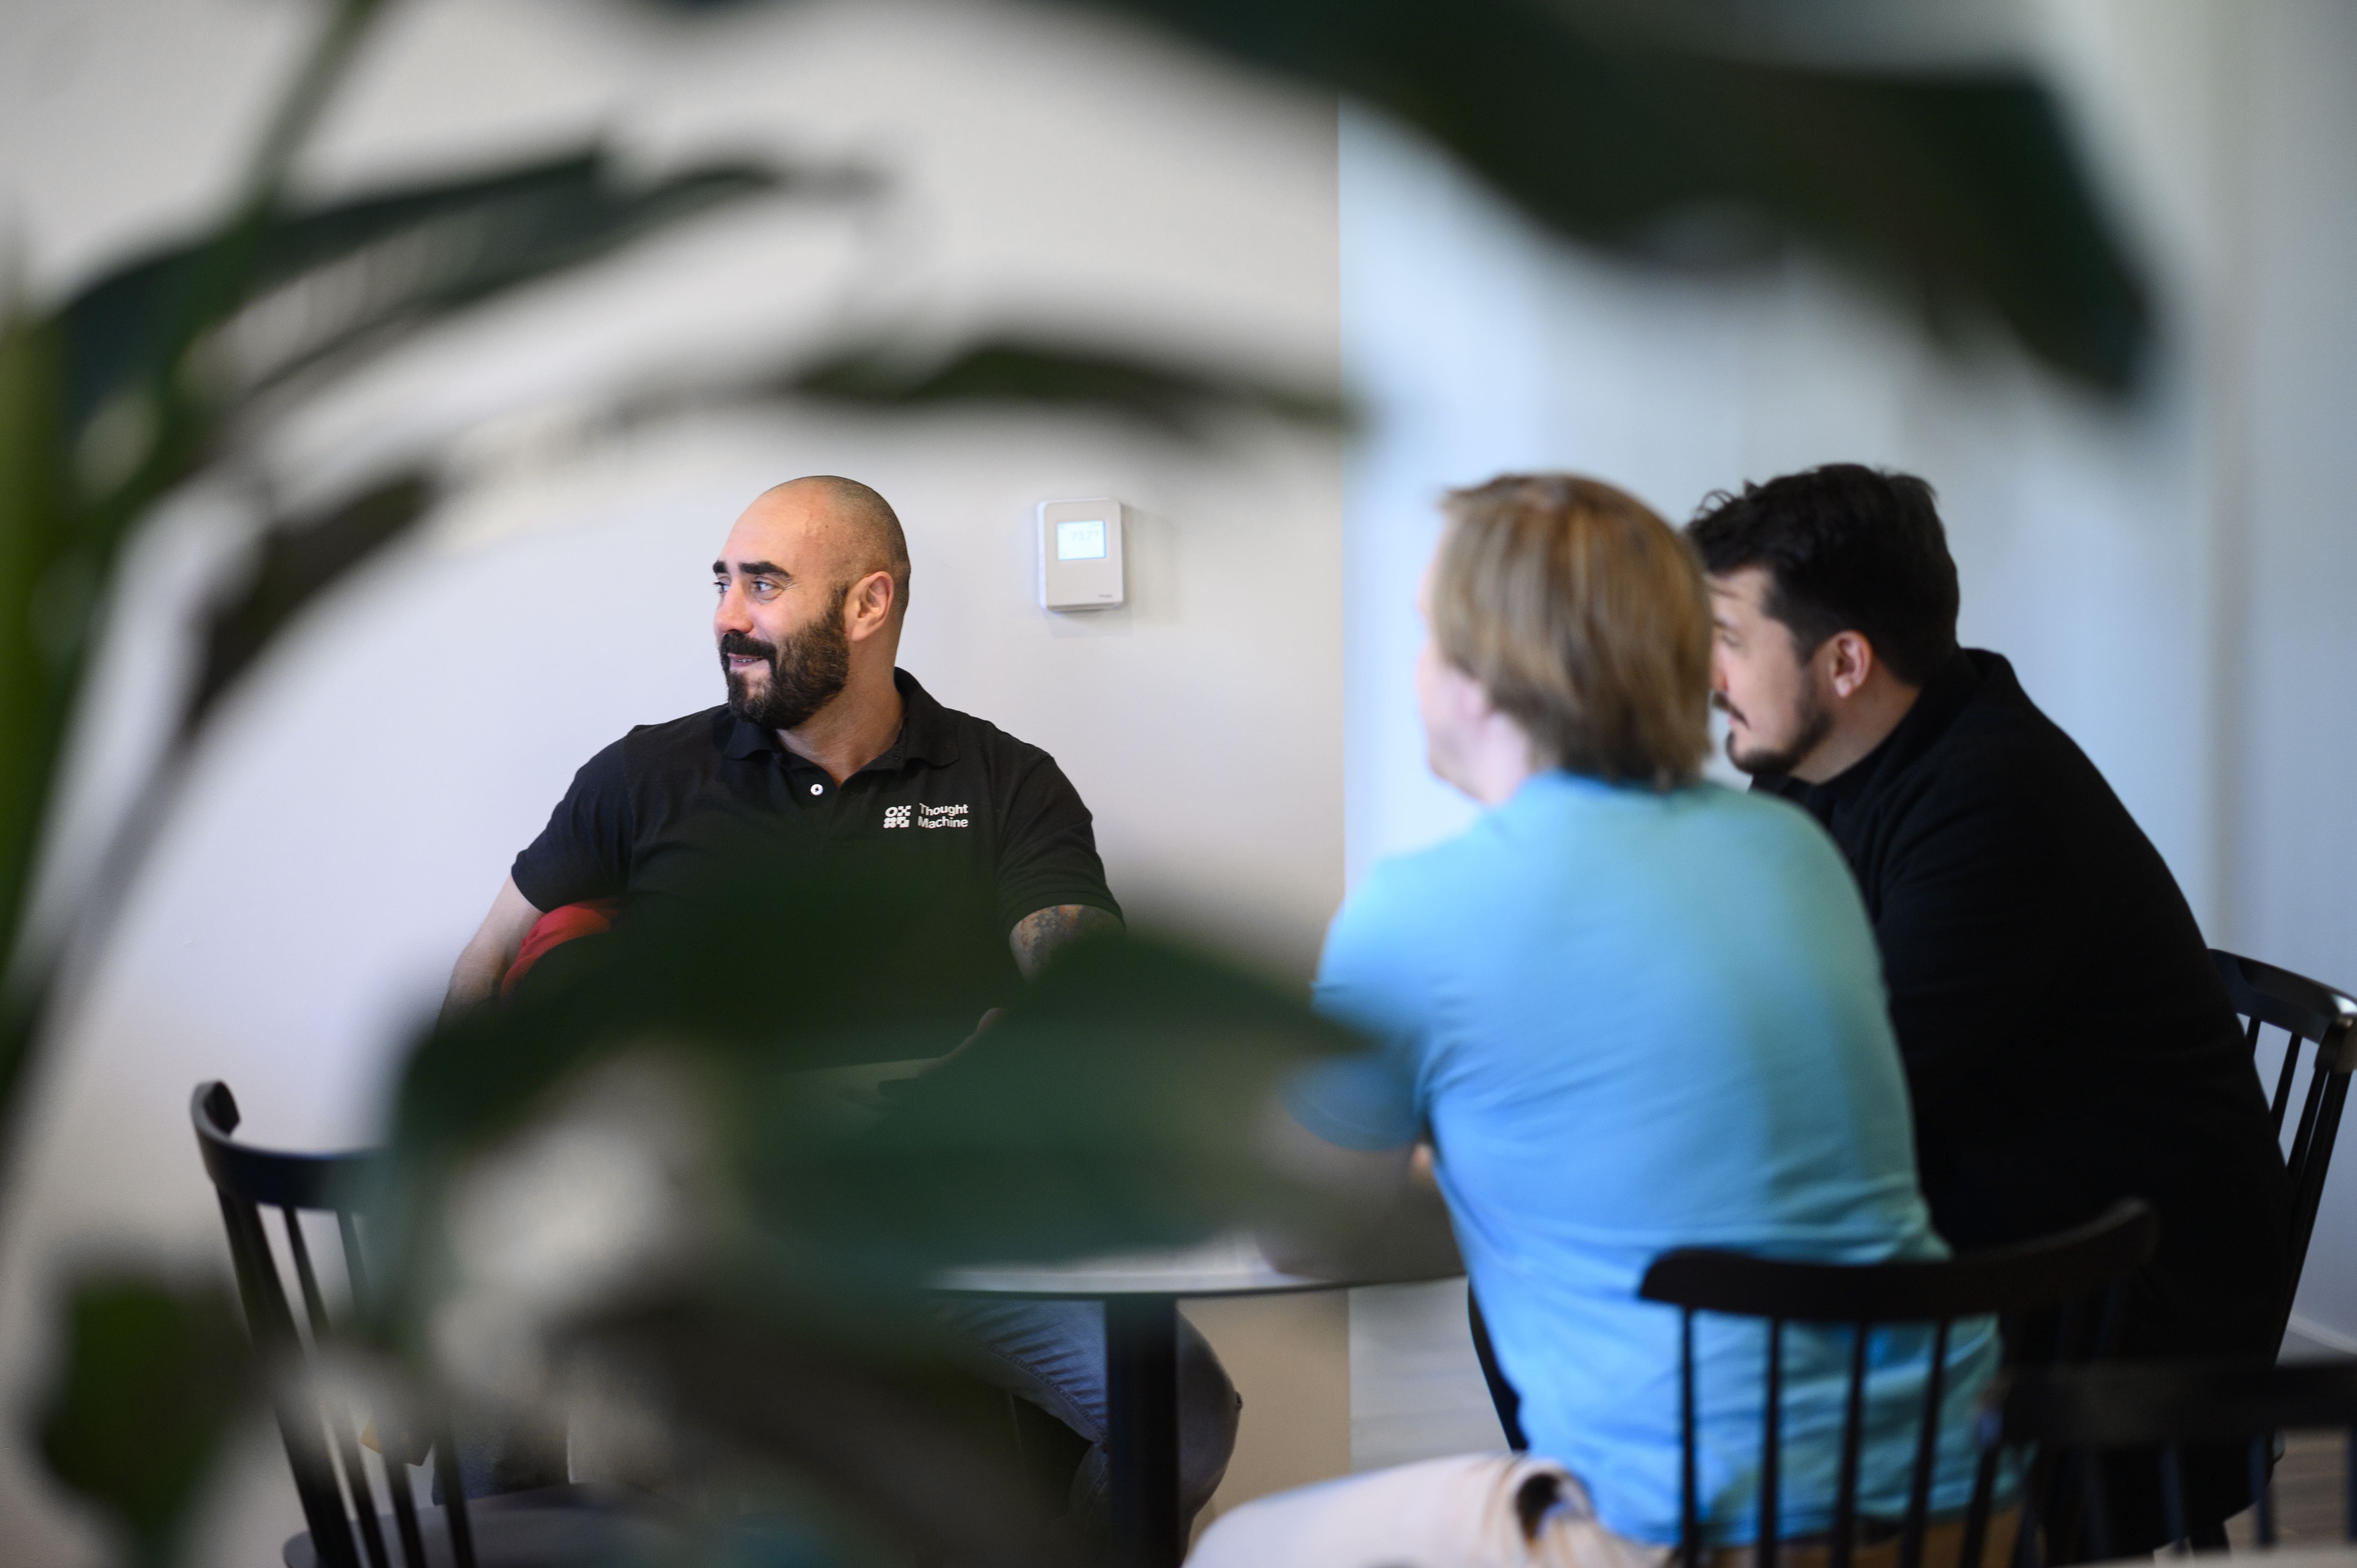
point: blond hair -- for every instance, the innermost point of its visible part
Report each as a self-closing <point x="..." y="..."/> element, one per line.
<point x="1585" y="619"/>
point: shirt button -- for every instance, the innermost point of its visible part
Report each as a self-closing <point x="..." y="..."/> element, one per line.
<point x="818" y="788"/>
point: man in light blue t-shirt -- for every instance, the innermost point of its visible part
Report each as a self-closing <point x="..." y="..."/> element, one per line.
<point x="1631" y="1011"/>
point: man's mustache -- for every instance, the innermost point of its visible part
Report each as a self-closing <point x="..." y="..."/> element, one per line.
<point x="1718" y="700"/>
<point x="745" y="647"/>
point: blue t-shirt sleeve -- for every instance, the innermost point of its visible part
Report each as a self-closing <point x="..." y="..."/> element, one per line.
<point x="1368" y="980"/>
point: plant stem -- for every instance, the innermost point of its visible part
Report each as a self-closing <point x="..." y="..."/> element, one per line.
<point x="306" y="97"/>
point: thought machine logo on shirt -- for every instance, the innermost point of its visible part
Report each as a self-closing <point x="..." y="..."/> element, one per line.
<point x="926" y="816"/>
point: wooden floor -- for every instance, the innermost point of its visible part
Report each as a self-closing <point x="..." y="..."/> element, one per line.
<point x="2309" y="1489"/>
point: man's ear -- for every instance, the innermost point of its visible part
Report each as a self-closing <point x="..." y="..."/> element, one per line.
<point x="1851" y="660"/>
<point x="868" y="607"/>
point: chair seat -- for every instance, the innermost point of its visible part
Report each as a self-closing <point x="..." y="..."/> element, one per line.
<point x="551" y="1527"/>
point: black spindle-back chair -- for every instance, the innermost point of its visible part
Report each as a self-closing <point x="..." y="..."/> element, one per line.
<point x="323" y="1437"/>
<point x="2313" y="1013"/>
<point x="2072" y="1272"/>
<point x="2164" y="1405"/>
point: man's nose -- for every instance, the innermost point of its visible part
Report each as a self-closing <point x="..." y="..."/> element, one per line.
<point x="730" y="615"/>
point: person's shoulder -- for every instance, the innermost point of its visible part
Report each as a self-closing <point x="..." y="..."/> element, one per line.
<point x="1382" y="930"/>
<point x="1764" y="812"/>
<point x="1765" y="824"/>
<point x="937" y="728"/>
<point x="979" y="733"/>
<point x="1430" y="886"/>
<point x="1999" y="734"/>
<point x="2001" y="758"/>
<point x="691" y="740"/>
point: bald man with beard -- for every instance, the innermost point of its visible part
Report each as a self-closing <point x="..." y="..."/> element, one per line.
<point x="827" y="754"/>
<point x="821" y="741"/>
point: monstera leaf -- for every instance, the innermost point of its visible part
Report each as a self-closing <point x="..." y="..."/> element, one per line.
<point x="167" y="366"/>
<point x="1113" y="1104"/>
<point x="1630" y="127"/>
<point x="154" y="1377"/>
<point x="1176" y="399"/>
<point x="313" y="281"/>
<point x="1960" y="187"/>
<point x="675" y="1100"/>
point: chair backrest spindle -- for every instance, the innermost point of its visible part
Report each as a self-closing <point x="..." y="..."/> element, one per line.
<point x="1927" y="1451"/>
<point x="2263" y="1492"/>
<point x="2052" y="1274"/>
<point x="1772" y="1445"/>
<point x="2306" y="1011"/>
<point x="271" y="1322"/>
<point x="1844" y="1526"/>
<point x="1689" y="1504"/>
<point x="323" y="1433"/>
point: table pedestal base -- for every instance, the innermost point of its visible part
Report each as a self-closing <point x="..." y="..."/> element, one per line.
<point x="1141" y="1429"/>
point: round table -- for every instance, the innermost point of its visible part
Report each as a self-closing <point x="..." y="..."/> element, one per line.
<point x="1141" y="1293"/>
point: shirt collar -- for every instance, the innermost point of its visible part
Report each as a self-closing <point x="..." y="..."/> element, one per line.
<point x="925" y="736"/>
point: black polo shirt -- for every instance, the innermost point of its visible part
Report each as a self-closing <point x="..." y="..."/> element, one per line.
<point x="982" y="827"/>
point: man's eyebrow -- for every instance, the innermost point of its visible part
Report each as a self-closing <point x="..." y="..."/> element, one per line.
<point x="752" y="569"/>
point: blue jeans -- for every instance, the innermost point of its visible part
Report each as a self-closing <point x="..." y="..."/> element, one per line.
<point x="1053" y="1353"/>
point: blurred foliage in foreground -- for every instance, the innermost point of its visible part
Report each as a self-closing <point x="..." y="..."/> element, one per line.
<point x="1645" y="126"/>
<point x="748" y="1238"/>
<point x="154" y="1377"/>
<point x="1106" y="1111"/>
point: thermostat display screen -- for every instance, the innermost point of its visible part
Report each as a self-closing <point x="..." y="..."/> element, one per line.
<point x="1080" y="547"/>
<point x="1081" y="540"/>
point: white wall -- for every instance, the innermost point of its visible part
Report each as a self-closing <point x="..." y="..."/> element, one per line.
<point x="2167" y="578"/>
<point x="2291" y="720"/>
<point x="348" y="821"/>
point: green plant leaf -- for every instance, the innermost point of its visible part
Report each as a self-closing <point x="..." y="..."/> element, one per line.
<point x="1960" y="188"/>
<point x="45" y="610"/>
<point x="1166" y="395"/>
<point x="324" y="278"/>
<point x="1114" y="1105"/>
<point x="850" y="1420"/>
<point x="154" y="1376"/>
<point x="100" y="416"/>
<point x="1961" y="185"/>
<point x="296" y="560"/>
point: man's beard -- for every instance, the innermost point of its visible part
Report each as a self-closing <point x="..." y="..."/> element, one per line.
<point x="1816" y="721"/>
<point x="805" y="673"/>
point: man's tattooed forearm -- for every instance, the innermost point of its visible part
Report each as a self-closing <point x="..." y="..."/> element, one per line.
<point x="1043" y="933"/>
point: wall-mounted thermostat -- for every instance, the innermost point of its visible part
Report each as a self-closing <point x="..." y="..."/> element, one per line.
<point x="1080" y="555"/>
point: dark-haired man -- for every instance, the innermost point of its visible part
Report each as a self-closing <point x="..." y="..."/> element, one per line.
<point x="2067" y="1041"/>
<point x="826" y="755"/>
